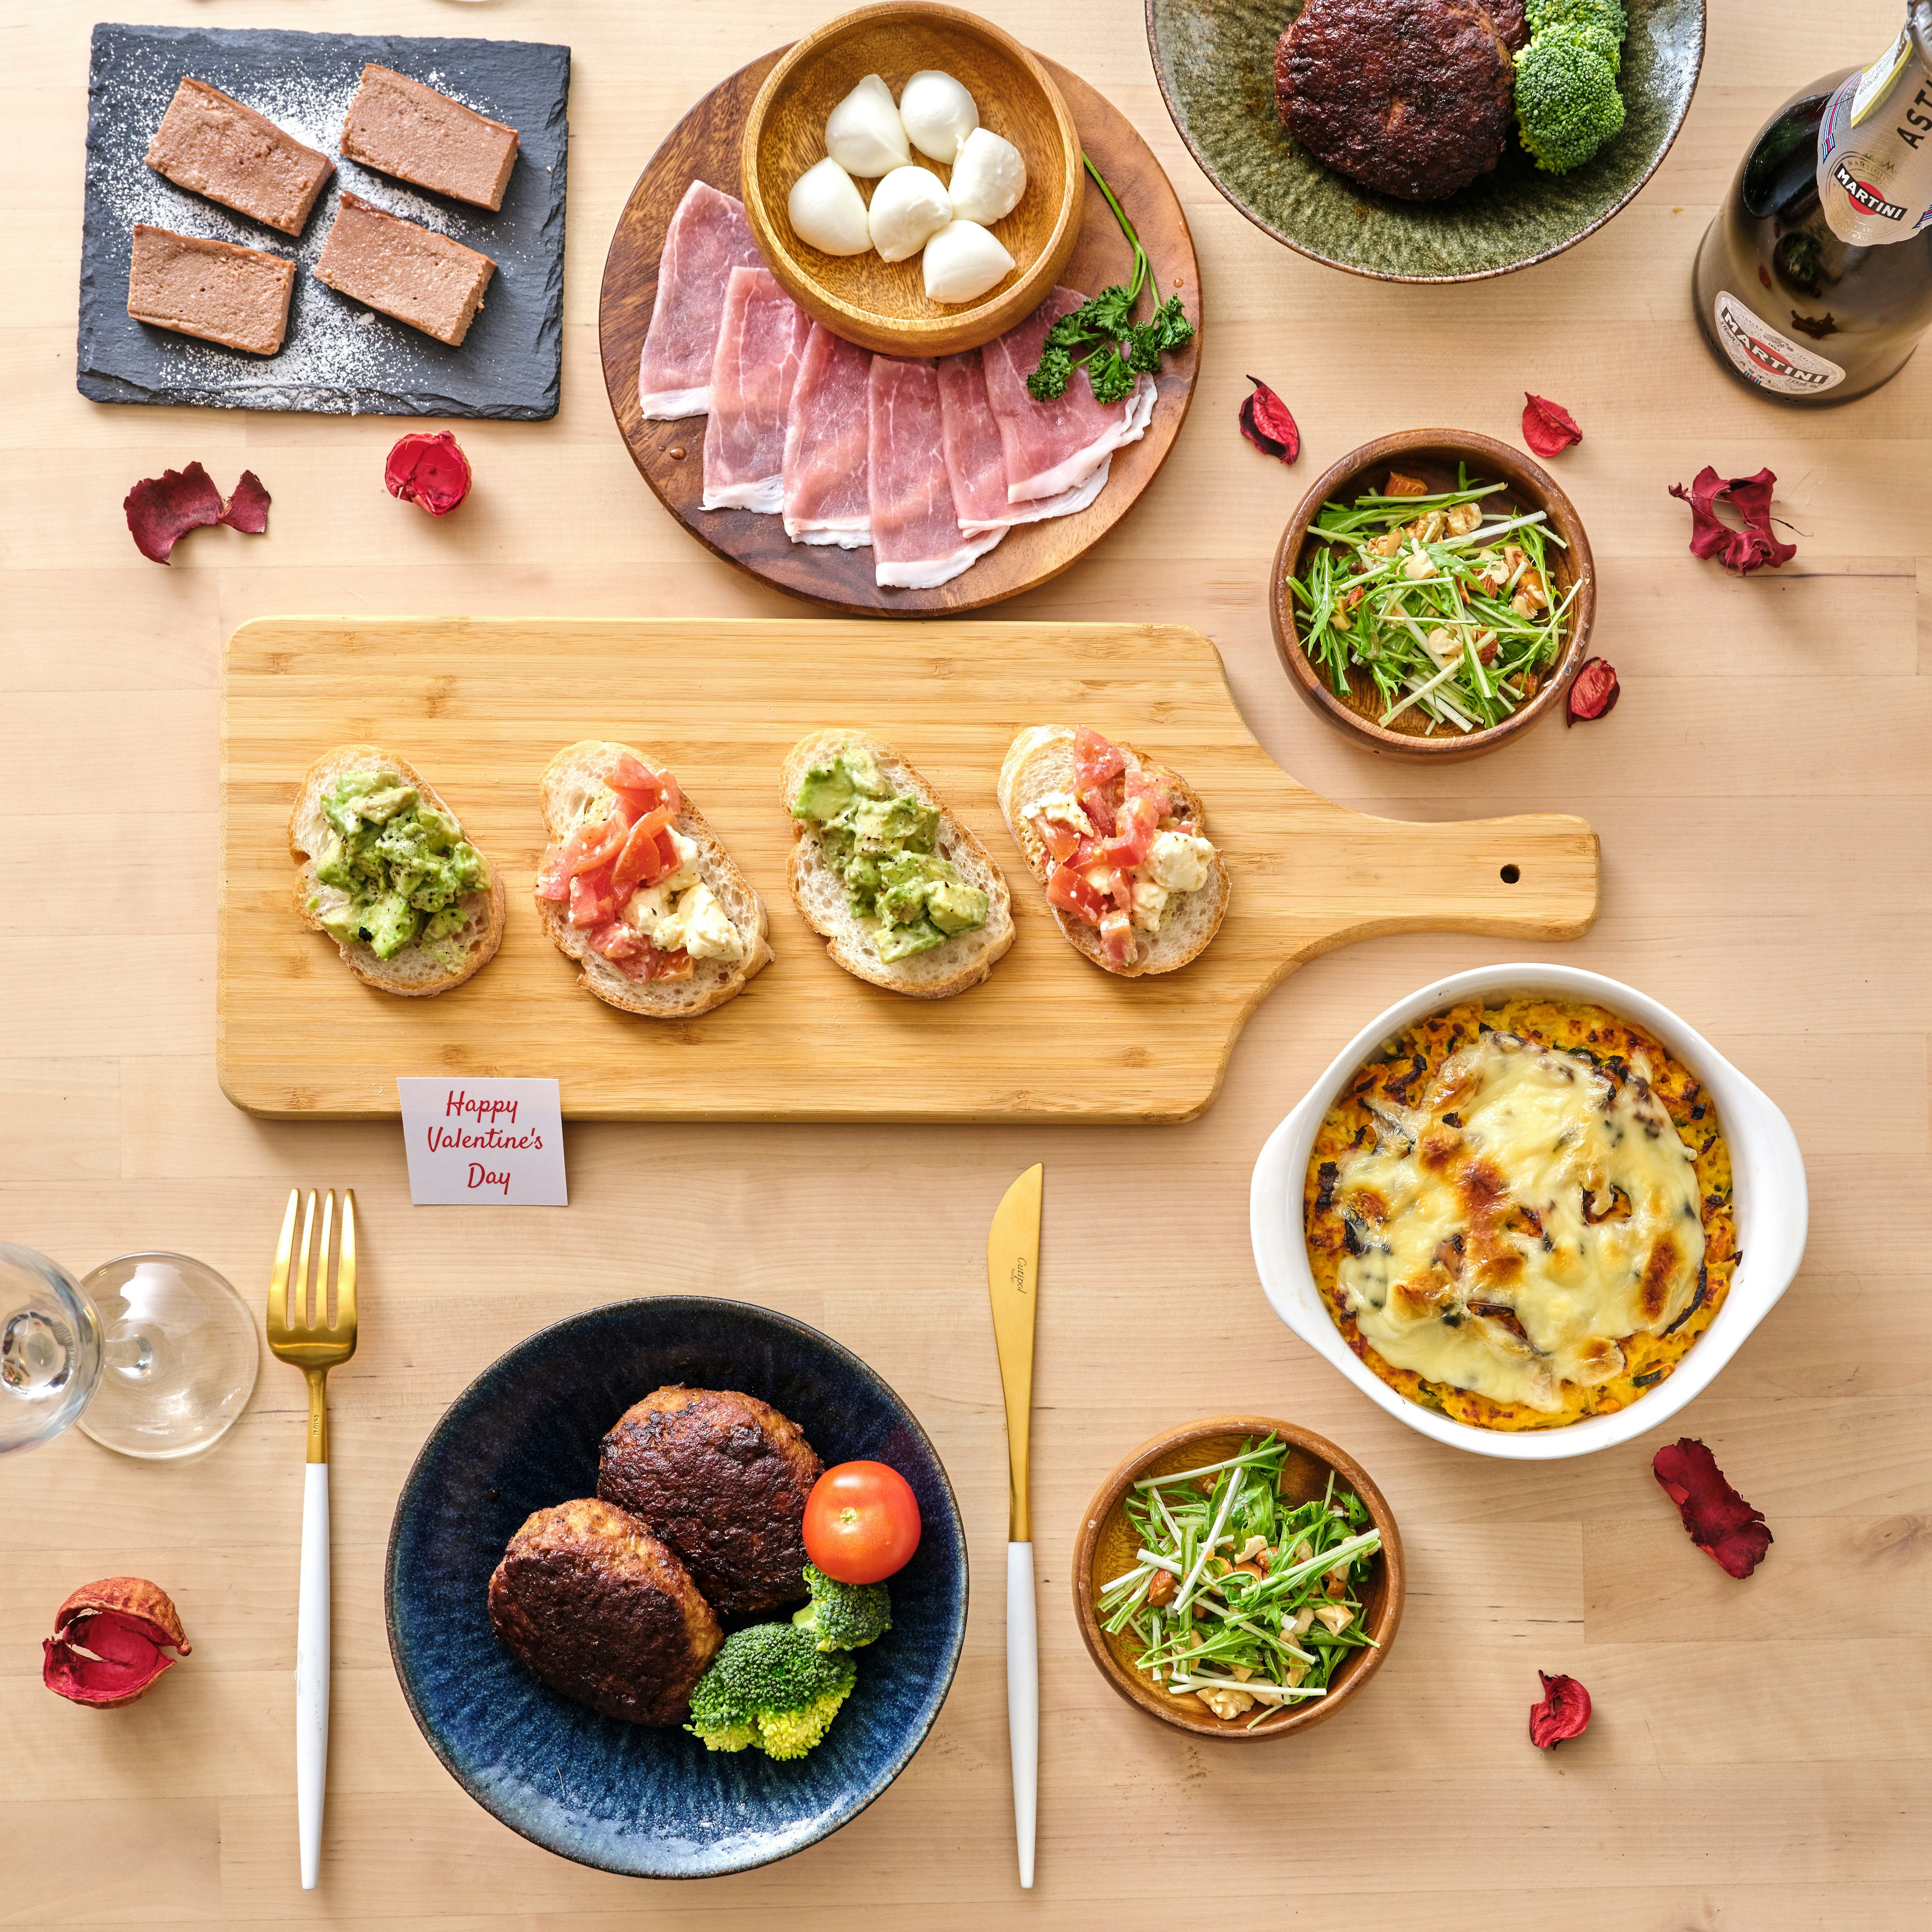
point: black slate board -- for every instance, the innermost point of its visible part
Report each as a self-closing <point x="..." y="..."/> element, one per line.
<point x="339" y="358"/>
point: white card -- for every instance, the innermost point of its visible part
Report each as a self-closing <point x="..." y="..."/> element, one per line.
<point x="493" y="1141"/>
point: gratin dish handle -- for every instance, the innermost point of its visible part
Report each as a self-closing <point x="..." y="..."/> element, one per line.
<point x="312" y="1671"/>
<point x="1780" y="1213"/>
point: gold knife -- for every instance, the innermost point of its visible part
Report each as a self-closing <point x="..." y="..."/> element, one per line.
<point x="1012" y="1277"/>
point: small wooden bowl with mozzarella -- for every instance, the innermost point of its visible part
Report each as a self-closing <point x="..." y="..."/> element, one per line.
<point x="883" y="304"/>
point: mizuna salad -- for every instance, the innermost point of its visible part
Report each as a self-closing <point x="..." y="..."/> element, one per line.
<point x="1237" y="1598"/>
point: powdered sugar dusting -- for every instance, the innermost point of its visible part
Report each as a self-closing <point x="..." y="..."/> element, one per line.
<point x="339" y="356"/>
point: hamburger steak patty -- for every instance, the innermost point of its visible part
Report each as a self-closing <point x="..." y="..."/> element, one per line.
<point x="722" y="1477"/>
<point x="589" y="1600"/>
<point x="1414" y="97"/>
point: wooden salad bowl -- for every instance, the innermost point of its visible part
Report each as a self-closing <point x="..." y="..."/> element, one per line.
<point x="881" y="305"/>
<point x="1433" y="454"/>
<point x="1106" y="1546"/>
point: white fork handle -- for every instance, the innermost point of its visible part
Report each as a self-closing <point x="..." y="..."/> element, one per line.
<point x="312" y="1671"/>
<point x="1023" y="1700"/>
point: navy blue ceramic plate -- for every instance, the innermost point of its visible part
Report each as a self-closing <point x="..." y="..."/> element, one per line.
<point x="650" y="1803"/>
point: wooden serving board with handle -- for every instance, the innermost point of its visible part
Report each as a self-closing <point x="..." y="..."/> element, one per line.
<point x="480" y="706"/>
<point x="705" y="146"/>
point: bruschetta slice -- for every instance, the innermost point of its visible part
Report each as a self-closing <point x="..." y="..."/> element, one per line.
<point x="903" y="893"/>
<point x="1121" y="844"/>
<point x="384" y="869"/>
<point x="635" y="887"/>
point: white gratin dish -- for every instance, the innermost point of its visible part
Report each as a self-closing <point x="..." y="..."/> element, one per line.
<point x="1769" y="1201"/>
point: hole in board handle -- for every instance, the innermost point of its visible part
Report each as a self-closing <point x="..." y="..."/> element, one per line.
<point x="1511" y="874"/>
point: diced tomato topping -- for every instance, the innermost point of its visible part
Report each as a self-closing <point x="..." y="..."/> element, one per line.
<point x="1070" y="891"/>
<point x="1097" y="762"/>
<point x="553" y="881"/>
<point x="1060" y="838"/>
<point x="591" y="846"/>
<point x="591" y="901"/>
<point x="1116" y="938"/>
<point x="1120" y="883"/>
<point x="1134" y="831"/>
<point x="630" y="774"/>
<point x="672" y="965"/>
<point x="646" y="855"/>
<point x="1140" y="786"/>
<point x="1099" y="808"/>
<point x="617" y="941"/>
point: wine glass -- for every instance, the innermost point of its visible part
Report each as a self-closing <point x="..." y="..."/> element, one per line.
<point x="154" y="1355"/>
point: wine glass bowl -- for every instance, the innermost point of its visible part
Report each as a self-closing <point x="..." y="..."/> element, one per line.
<point x="50" y="1348"/>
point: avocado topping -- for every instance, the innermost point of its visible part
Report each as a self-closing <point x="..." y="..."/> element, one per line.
<point x="394" y="869"/>
<point x="883" y="844"/>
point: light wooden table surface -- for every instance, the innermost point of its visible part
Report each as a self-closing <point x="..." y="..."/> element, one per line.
<point x="1758" y="1757"/>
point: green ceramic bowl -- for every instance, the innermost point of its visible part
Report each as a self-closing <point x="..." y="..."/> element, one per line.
<point x="1215" y="59"/>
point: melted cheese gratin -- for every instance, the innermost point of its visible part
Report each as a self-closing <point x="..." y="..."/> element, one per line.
<point x="1504" y="1234"/>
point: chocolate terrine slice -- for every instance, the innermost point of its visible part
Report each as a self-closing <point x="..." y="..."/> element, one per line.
<point x="403" y="128"/>
<point x="412" y="273"/>
<point x="215" y="290"/>
<point x="216" y="147"/>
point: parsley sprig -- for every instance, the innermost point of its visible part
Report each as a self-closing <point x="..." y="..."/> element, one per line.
<point x="1102" y="336"/>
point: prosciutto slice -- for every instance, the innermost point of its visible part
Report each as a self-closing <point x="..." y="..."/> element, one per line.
<point x="1056" y="446"/>
<point x="917" y="542"/>
<point x="708" y="237"/>
<point x="826" y="498"/>
<point x="975" y="460"/>
<point x="761" y="340"/>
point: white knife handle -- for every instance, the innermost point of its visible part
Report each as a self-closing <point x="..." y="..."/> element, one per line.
<point x="1023" y="1700"/>
<point x="312" y="1671"/>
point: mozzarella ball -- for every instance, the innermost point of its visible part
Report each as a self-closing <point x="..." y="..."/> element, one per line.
<point x="909" y="207"/>
<point x="827" y="210"/>
<point x="938" y="114"/>
<point x="963" y="261"/>
<point x="864" y="135"/>
<point x="989" y="178"/>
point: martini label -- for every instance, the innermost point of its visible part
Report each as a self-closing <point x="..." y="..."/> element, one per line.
<point x="1763" y="355"/>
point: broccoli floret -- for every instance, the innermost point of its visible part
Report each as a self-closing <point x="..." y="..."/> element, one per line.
<point x="771" y="1686"/>
<point x="1567" y="102"/>
<point x="843" y="1616"/>
<point x="1607" y="14"/>
<point x="1591" y="37"/>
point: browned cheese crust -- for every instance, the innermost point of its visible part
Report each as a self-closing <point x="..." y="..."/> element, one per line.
<point x="722" y="1477"/>
<point x="1412" y="98"/>
<point x="591" y="1602"/>
<point x="1407" y="1066"/>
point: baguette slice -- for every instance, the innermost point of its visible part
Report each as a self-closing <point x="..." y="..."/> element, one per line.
<point x="967" y="957"/>
<point x="576" y="774"/>
<point x="1039" y="763"/>
<point x="416" y="972"/>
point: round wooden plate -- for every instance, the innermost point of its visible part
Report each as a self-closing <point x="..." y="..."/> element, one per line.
<point x="705" y="145"/>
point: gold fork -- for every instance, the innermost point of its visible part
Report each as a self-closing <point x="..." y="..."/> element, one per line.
<point x="314" y="1345"/>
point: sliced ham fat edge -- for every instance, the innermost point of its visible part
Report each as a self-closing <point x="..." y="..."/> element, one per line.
<point x="976" y="456"/>
<point x="917" y="540"/>
<point x="708" y="237"/>
<point x="1053" y="447"/>
<point x="761" y="340"/>
<point x="826" y="500"/>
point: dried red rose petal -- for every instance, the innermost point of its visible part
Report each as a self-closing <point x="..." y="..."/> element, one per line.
<point x="1593" y="691"/>
<point x="431" y="471"/>
<point x="1267" y="423"/>
<point x="247" y="510"/>
<point x="1742" y="550"/>
<point x="1548" y="427"/>
<point x="161" y="510"/>
<point x="1721" y="1523"/>
<point x="1564" y="1712"/>
<point x="108" y="1640"/>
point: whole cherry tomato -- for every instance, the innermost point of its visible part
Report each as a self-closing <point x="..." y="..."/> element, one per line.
<point x="861" y="1522"/>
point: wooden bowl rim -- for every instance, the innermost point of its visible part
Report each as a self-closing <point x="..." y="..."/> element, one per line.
<point x="1524" y="475"/>
<point x="1126" y="1684"/>
<point x="959" y="329"/>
